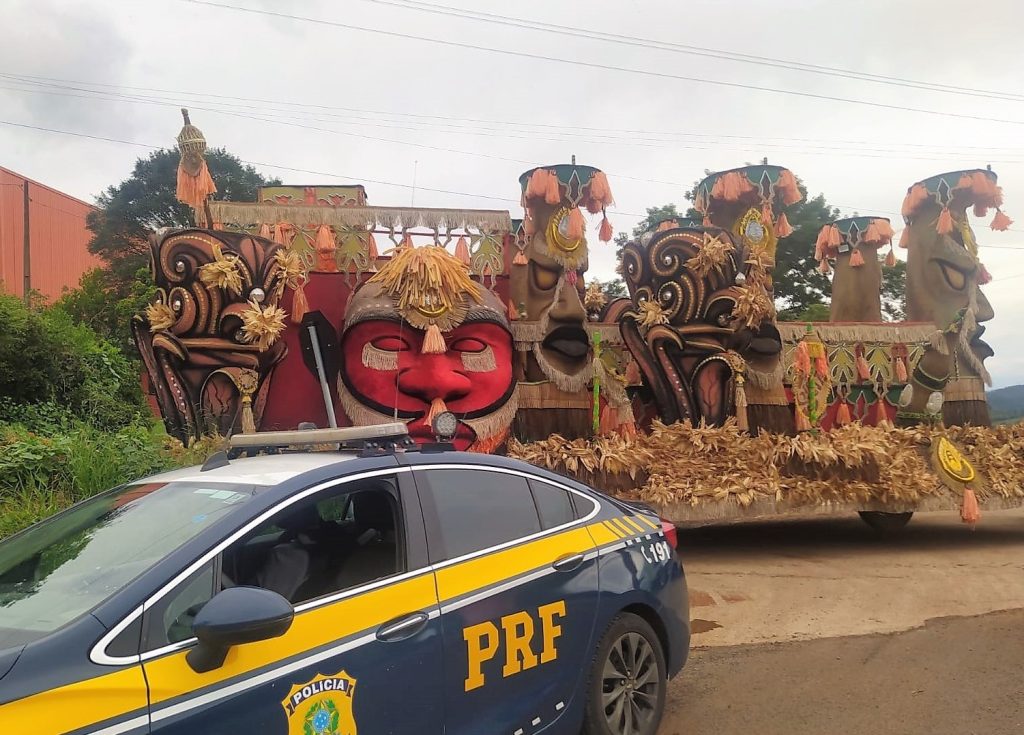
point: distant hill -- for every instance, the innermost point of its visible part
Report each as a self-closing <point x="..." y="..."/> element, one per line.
<point x="1006" y="404"/>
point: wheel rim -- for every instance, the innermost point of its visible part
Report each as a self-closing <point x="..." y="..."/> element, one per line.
<point x="629" y="685"/>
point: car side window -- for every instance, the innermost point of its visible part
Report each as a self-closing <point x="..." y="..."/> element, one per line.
<point x="327" y="543"/>
<point x="554" y="504"/>
<point x="477" y="509"/>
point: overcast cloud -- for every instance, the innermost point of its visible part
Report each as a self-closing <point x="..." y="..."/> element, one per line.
<point x="174" y="53"/>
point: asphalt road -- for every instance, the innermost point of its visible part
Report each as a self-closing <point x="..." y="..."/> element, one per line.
<point x="821" y="626"/>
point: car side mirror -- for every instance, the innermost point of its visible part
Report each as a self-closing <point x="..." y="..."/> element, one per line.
<point x="235" y="616"/>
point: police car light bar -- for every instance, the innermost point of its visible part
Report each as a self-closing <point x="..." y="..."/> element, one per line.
<point x="396" y="430"/>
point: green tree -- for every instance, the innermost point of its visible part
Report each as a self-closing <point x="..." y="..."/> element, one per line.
<point x="127" y="213"/>
<point x="107" y="305"/>
<point x="894" y="291"/>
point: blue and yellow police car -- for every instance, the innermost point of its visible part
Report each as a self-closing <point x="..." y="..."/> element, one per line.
<point x="370" y="588"/>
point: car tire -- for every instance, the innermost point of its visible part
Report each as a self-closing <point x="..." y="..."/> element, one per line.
<point x="626" y="699"/>
<point x="885" y="522"/>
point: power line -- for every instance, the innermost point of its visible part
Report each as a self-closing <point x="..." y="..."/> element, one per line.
<point x="621" y="39"/>
<point x="596" y="65"/>
<point x="568" y="129"/>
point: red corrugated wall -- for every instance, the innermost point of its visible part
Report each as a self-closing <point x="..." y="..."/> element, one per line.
<point x="58" y="235"/>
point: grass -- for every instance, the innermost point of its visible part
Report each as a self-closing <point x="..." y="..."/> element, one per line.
<point x="41" y="475"/>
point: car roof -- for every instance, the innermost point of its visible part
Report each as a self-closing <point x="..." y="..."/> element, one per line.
<point x="270" y="469"/>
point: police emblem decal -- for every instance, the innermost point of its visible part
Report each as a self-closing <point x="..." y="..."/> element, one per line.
<point x="322" y="706"/>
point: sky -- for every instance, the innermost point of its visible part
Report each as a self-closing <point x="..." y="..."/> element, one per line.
<point x="459" y="106"/>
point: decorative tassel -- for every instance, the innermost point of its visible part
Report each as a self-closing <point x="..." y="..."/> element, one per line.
<point x="571" y="277"/>
<point x="437" y="407"/>
<point x="802" y="359"/>
<point x="553" y="191"/>
<point x="824" y="268"/>
<point x="821" y="365"/>
<point x="462" y="250"/>
<point x="843" y="414"/>
<point x="371" y="248"/>
<point x="980" y="210"/>
<point x="299" y="303"/>
<point x="325" y="249"/>
<point x="538" y="185"/>
<point x="856" y="259"/>
<point x="627" y="429"/>
<point x="871" y="234"/>
<point x="835" y="237"/>
<point x="194" y="190"/>
<point x="863" y="369"/>
<point x="821" y="243"/>
<point x="731" y="186"/>
<point x="788" y="187"/>
<point x="281" y="233"/>
<point x="248" y="422"/>
<point x="766" y="217"/>
<point x="529" y="226"/>
<point x="605" y="234"/>
<point x="802" y="424"/>
<point x="983" y="275"/>
<point x="600" y="190"/>
<point x="885" y="230"/>
<point x="433" y="342"/>
<point x="890" y="259"/>
<point x="905" y="238"/>
<point x="945" y="223"/>
<point x="1001" y="222"/>
<point x="914" y="199"/>
<point x="782" y="226"/>
<point x="632" y="373"/>
<point x="577" y="224"/>
<point x="513" y="312"/>
<point x="742" y="423"/>
<point x="609" y="420"/>
<point x="982" y="185"/>
<point x="901" y="370"/>
<point x="265" y="231"/>
<point x="519" y="258"/>
<point x="969" y="511"/>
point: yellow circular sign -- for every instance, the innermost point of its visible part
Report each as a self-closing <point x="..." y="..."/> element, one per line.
<point x="953" y="463"/>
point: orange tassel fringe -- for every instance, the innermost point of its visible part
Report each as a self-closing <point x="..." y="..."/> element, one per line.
<point x="914" y="198"/>
<point x="863" y="370"/>
<point x="605" y="233"/>
<point x="325" y="249"/>
<point x="835" y="238"/>
<point x="945" y="223"/>
<point x="299" y="303"/>
<point x="553" y="192"/>
<point x="802" y="424"/>
<point x="577" y="224"/>
<point x="969" y="511"/>
<point x="600" y="190"/>
<point x="437" y="407"/>
<point x="371" y="248"/>
<point x="843" y="414"/>
<point x="890" y="259"/>
<point x="782" y="226"/>
<point x="856" y="259"/>
<point x="433" y="342"/>
<point x="265" y="231"/>
<point x="462" y="251"/>
<point x="1001" y="222"/>
<point x="901" y="370"/>
<point x="194" y="190"/>
<point x="520" y="258"/>
<point x="824" y="268"/>
<point x="537" y="187"/>
<point x="788" y="187"/>
<point x="513" y="312"/>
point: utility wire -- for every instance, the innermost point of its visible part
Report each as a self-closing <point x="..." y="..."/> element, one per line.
<point x="624" y="40"/>
<point x="358" y="178"/>
<point x="595" y="65"/>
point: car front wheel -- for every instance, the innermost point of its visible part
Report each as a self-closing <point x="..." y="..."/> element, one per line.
<point x="626" y="693"/>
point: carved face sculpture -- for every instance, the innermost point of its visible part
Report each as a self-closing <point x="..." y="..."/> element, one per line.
<point x="547" y="282"/>
<point x="851" y="246"/>
<point x="391" y="365"/>
<point x="943" y="270"/>
<point x="701" y="313"/>
<point x="211" y="338"/>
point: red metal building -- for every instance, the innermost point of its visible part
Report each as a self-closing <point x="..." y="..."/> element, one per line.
<point x="57" y="240"/>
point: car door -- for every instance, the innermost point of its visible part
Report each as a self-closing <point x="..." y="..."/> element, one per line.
<point x="363" y="652"/>
<point x="518" y="591"/>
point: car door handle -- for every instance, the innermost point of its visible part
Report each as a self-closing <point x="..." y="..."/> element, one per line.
<point x="568" y="562"/>
<point x="403" y="627"/>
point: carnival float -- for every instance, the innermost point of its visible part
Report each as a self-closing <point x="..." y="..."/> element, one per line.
<point x="309" y="305"/>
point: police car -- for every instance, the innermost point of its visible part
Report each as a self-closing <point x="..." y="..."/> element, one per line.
<point x="371" y="588"/>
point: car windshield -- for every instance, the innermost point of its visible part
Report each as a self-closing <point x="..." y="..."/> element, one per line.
<point x="59" y="569"/>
